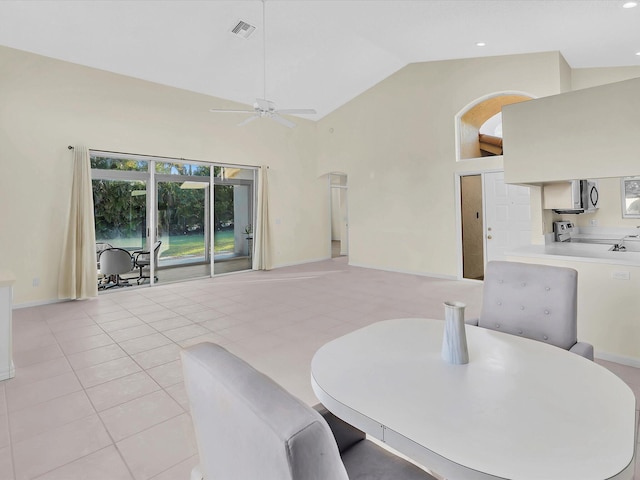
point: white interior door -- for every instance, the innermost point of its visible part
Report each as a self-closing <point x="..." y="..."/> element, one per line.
<point x="507" y="216"/>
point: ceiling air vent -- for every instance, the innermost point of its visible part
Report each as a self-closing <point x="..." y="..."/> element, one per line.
<point x="243" y="29"/>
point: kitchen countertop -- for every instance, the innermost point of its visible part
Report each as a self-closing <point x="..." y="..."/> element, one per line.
<point x="611" y="238"/>
<point x="7" y="278"/>
<point x="581" y="252"/>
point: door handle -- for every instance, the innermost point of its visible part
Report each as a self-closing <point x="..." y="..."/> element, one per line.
<point x="489" y="237"/>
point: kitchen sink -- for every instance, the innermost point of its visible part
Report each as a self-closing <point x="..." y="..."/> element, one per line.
<point x="598" y="241"/>
<point x="630" y="243"/>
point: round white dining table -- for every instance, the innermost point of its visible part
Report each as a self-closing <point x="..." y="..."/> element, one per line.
<point x="520" y="409"/>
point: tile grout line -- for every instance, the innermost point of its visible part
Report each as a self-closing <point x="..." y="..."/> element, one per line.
<point x="97" y="413"/>
<point x="318" y="297"/>
<point x="83" y="390"/>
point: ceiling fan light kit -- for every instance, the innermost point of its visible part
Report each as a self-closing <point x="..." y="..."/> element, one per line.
<point x="262" y="107"/>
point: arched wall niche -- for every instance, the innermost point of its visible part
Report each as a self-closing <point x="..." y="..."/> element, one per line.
<point x="470" y="119"/>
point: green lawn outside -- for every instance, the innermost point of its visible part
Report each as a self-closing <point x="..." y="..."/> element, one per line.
<point x="223" y="241"/>
<point x="183" y="245"/>
<point x="193" y="245"/>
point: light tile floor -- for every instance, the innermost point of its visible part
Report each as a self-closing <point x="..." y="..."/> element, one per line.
<point x="98" y="391"/>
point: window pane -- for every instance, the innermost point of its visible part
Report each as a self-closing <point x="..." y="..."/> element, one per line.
<point x="107" y="163"/>
<point x="631" y="197"/>
<point x="181" y="223"/>
<point x="182" y="169"/>
<point x="224" y="237"/>
<point x="120" y="213"/>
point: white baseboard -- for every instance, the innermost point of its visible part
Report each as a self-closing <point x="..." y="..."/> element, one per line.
<point x="8" y="372"/>
<point x="40" y="303"/>
<point x="293" y="264"/>
<point x="407" y="272"/>
<point x="621" y="359"/>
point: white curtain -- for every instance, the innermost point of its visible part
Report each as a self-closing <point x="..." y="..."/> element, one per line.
<point x="78" y="271"/>
<point x="262" y="244"/>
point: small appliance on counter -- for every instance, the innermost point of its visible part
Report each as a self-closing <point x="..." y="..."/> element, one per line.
<point x="562" y="231"/>
<point x="567" y="232"/>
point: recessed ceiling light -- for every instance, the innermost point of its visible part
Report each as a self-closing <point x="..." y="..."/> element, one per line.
<point x="481" y="44"/>
<point x="629" y="4"/>
<point x="638" y="54"/>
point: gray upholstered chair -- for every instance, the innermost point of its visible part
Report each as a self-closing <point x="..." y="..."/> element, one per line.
<point x="249" y="427"/>
<point x="114" y="262"/>
<point x="534" y="301"/>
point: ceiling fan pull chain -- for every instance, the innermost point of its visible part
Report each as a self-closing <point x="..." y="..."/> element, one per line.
<point x="263" y="107"/>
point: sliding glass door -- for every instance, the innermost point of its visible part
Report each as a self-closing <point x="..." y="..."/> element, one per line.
<point x="233" y="219"/>
<point x="193" y="218"/>
<point x="182" y="219"/>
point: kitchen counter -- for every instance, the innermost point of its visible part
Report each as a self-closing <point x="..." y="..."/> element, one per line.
<point x="582" y="252"/>
<point x="608" y="286"/>
<point x="7" y="278"/>
<point x="610" y="238"/>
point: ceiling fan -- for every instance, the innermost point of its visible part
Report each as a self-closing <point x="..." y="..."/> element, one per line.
<point x="263" y="107"/>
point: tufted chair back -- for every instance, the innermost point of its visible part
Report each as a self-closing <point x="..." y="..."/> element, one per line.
<point x="249" y="427"/>
<point x="534" y="301"/>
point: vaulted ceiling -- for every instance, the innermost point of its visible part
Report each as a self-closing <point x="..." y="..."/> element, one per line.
<point x="319" y="53"/>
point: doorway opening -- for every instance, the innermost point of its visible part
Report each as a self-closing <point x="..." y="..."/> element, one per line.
<point x="233" y="219"/>
<point x="495" y="217"/>
<point x="339" y="215"/>
<point x="472" y="227"/>
<point x="492" y="217"/>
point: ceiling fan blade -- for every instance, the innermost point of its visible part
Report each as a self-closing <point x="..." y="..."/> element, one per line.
<point x="283" y="121"/>
<point x="298" y="111"/>
<point x="215" y="110"/>
<point x="248" y="120"/>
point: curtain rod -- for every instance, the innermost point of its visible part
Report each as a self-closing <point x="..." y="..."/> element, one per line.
<point x="70" y="147"/>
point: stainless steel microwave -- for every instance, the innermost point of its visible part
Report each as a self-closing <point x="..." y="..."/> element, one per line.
<point x="572" y="197"/>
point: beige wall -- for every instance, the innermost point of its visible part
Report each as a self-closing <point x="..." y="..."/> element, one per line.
<point x="588" y="133"/>
<point x="609" y="214"/>
<point x="397" y="144"/>
<point x="46" y="104"/>
<point x="560" y="161"/>
<point x="592" y="77"/>
<point x="566" y="75"/>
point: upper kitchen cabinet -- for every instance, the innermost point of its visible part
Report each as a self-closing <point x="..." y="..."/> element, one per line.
<point x="590" y="133"/>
